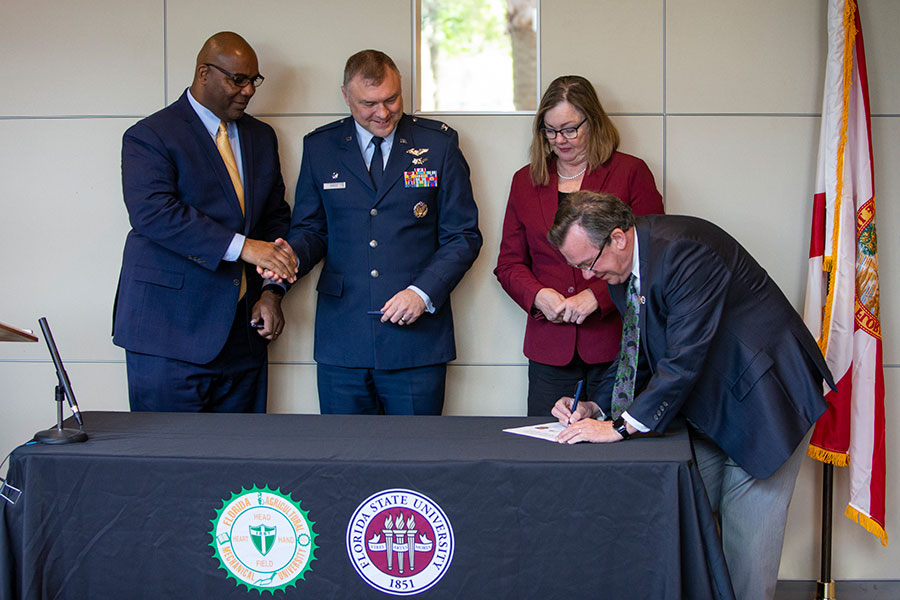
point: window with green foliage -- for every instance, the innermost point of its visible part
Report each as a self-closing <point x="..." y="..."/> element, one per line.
<point x="477" y="55"/>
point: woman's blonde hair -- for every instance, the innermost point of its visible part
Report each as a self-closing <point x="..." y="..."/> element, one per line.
<point x="603" y="137"/>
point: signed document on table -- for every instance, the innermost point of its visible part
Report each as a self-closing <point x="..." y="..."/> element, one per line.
<point x="544" y="431"/>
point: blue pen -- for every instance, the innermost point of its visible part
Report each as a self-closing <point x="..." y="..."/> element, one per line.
<point x="577" y="396"/>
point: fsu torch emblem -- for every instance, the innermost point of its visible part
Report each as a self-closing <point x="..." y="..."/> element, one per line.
<point x="400" y="542"/>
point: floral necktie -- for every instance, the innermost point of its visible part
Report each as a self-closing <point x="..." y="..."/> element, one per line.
<point x="623" y="389"/>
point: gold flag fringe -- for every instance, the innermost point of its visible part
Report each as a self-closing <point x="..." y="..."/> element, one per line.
<point x="867" y="523"/>
<point x="829" y="263"/>
<point x="838" y="459"/>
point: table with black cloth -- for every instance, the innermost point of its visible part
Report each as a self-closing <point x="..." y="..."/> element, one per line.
<point x="129" y="513"/>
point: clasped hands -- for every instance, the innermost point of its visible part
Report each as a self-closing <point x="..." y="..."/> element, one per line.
<point x="582" y="426"/>
<point x="275" y="261"/>
<point x="556" y="308"/>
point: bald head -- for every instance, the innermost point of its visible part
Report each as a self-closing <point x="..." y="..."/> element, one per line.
<point x="223" y="58"/>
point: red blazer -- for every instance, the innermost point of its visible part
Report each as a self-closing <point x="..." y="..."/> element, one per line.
<point x="528" y="262"/>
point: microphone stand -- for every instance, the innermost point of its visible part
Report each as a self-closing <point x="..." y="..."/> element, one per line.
<point x="60" y="434"/>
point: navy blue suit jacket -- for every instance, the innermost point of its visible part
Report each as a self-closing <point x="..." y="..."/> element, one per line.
<point x="720" y="345"/>
<point x="176" y="296"/>
<point x="377" y="244"/>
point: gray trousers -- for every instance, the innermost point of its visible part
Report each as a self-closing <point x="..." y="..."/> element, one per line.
<point x="752" y="515"/>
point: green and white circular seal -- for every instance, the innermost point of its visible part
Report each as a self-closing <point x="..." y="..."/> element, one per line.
<point x="263" y="539"/>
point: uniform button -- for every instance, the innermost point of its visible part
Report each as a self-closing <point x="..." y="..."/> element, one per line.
<point x="373" y="212"/>
<point x="373" y="243"/>
<point x="236" y="282"/>
<point x="374" y="273"/>
<point x="571" y="289"/>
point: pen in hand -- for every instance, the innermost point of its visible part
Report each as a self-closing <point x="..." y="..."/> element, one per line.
<point x="577" y="396"/>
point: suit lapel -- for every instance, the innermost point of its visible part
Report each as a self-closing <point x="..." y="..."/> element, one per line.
<point x="596" y="179"/>
<point x="399" y="160"/>
<point x="643" y="242"/>
<point x="211" y="152"/>
<point x="548" y="197"/>
<point x="246" y="137"/>
<point x="351" y="157"/>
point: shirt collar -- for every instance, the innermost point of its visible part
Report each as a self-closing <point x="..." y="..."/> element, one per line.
<point x="364" y="136"/>
<point x="209" y="119"/>
<point x="635" y="257"/>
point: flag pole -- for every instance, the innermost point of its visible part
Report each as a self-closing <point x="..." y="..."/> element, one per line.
<point x="825" y="589"/>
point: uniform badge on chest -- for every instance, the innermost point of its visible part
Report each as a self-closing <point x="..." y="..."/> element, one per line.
<point x="420" y="210"/>
<point x="420" y="178"/>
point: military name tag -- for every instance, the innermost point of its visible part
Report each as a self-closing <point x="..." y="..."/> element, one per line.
<point x="420" y="178"/>
<point x="338" y="185"/>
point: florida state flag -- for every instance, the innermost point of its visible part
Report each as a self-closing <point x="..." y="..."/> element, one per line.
<point x="842" y="298"/>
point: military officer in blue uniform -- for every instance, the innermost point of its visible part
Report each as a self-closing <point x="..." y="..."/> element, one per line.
<point x="386" y="199"/>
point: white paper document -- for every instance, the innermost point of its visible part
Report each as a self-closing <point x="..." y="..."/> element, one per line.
<point x="544" y="431"/>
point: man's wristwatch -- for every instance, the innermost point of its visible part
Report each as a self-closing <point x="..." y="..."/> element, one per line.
<point x="622" y="427"/>
<point x="275" y="289"/>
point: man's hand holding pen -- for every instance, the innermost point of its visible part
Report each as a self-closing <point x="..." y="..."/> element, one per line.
<point x="581" y="426"/>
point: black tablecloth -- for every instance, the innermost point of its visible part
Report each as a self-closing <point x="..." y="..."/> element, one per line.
<point x="128" y="514"/>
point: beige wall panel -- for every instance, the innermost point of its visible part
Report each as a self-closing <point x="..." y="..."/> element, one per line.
<point x="64" y="229"/>
<point x="754" y="177"/>
<point x="880" y="21"/>
<point x="302" y="46"/>
<point x="857" y="553"/>
<point x="885" y="135"/>
<point x="618" y="46"/>
<point x="486" y="390"/>
<point x="81" y="58"/>
<point x="489" y="326"/>
<point x="643" y="137"/>
<point x="471" y="389"/>
<point x="28" y="396"/>
<point x="296" y="344"/>
<point x="735" y="56"/>
<point x="292" y="388"/>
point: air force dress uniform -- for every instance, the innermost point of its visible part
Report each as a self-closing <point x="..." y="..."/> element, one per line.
<point x="419" y="228"/>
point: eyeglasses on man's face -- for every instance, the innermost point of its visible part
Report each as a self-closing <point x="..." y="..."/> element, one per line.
<point x="570" y="133"/>
<point x="239" y="80"/>
<point x="590" y="267"/>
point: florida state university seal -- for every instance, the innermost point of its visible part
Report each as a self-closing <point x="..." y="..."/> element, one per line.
<point x="400" y="542"/>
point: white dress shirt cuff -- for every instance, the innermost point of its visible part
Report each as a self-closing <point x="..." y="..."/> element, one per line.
<point x="429" y="307"/>
<point x="635" y="423"/>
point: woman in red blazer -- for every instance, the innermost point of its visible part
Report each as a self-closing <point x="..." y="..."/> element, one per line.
<point x="573" y="329"/>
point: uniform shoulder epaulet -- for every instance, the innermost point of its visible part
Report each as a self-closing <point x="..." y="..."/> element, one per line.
<point x="327" y="126"/>
<point x="432" y="124"/>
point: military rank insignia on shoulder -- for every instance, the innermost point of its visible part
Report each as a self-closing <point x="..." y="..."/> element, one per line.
<point x="432" y="124"/>
<point x="326" y="127"/>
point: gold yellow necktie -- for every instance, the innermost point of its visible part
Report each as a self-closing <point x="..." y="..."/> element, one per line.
<point x="224" y="147"/>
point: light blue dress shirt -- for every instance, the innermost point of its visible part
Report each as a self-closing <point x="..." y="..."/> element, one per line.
<point x="211" y="122"/>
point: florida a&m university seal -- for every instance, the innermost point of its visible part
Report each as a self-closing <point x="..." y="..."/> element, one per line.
<point x="263" y="539"/>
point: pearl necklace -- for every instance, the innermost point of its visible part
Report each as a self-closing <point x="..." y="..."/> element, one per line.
<point x="575" y="176"/>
